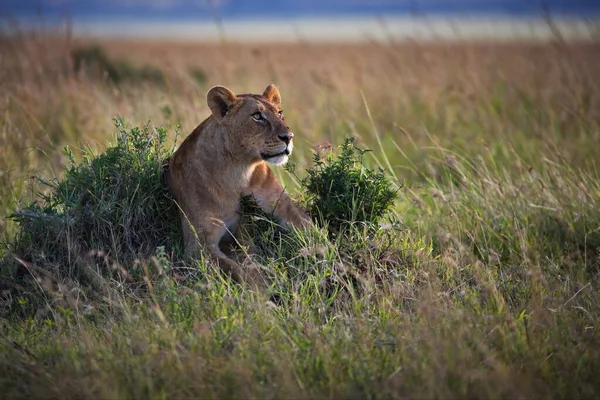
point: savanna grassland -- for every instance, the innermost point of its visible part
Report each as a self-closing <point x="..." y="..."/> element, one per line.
<point x="481" y="282"/>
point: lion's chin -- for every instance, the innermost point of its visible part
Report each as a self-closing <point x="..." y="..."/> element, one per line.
<point x="278" y="160"/>
<point x="281" y="158"/>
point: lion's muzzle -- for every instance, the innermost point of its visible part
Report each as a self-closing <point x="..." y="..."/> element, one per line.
<point x="286" y="137"/>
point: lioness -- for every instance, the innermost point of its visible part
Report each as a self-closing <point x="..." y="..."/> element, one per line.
<point x="226" y="158"/>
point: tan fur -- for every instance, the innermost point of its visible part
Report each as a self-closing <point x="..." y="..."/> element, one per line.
<point x="225" y="158"/>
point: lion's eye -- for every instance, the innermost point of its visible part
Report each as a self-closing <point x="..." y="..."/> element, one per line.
<point x="280" y="113"/>
<point x="257" y="117"/>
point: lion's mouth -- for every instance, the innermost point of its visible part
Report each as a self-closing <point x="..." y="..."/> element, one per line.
<point x="286" y="152"/>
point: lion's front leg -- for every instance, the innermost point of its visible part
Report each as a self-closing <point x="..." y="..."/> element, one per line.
<point x="207" y="233"/>
<point x="272" y="198"/>
<point x="281" y="206"/>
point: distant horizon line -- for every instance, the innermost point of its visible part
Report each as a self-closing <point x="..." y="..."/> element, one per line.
<point x="325" y="28"/>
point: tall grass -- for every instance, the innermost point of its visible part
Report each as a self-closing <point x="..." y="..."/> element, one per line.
<point x="483" y="283"/>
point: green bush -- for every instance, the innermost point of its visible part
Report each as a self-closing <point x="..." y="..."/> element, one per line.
<point x="340" y="190"/>
<point x="113" y="202"/>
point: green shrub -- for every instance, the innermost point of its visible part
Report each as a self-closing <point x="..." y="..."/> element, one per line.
<point x="113" y="202"/>
<point x="340" y="190"/>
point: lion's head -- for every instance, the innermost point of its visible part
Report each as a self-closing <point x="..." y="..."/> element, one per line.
<point x="254" y="123"/>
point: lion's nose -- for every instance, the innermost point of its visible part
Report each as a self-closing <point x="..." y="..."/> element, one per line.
<point x="286" y="137"/>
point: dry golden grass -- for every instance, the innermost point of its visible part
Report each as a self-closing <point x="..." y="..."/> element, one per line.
<point x="323" y="86"/>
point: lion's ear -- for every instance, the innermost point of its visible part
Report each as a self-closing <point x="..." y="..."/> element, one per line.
<point x="220" y="100"/>
<point x="272" y="94"/>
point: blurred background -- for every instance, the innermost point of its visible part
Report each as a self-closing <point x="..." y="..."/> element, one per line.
<point x="293" y="20"/>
